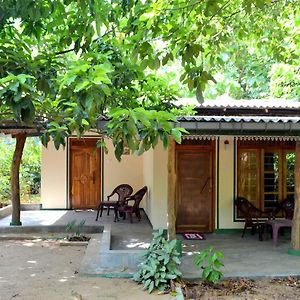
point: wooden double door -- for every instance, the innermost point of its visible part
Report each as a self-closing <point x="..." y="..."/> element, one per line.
<point x="84" y="173"/>
<point x="194" y="188"/>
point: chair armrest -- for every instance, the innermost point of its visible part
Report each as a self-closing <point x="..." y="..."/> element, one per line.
<point x="127" y="200"/>
<point x="124" y="202"/>
<point x="110" y="196"/>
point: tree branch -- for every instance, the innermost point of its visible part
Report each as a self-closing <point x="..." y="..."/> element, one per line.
<point x="64" y="51"/>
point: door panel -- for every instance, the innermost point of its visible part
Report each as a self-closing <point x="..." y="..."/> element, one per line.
<point x="194" y="190"/>
<point x="85" y="179"/>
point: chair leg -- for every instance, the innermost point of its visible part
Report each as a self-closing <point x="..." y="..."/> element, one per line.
<point x="130" y="216"/>
<point x="260" y="232"/>
<point x="244" y="231"/>
<point x="108" y="207"/>
<point x="138" y="214"/>
<point x="275" y="235"/>
<point x="98" y="210"/>
<point x="116" y="215"/>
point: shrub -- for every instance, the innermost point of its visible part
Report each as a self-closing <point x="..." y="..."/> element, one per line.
<point x="30" y="170"/>
<point x="160" y="264"/>
<point x="210" y="262"/>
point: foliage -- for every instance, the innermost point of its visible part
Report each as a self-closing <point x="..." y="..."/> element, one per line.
<point x="159" y="265"/>
<point x="30" y="171"/>
<point x="245" y="78"/>
<point x="285" y="81"/>
<point x="64" y="63"/>
<point x="140" y="129"/>
<point x="210" y="262"/>
<point x="66" y="72"/>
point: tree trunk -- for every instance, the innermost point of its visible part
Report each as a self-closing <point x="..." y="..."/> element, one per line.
<point x="171" y="191"/>
<point x="295" y="242"/>
<point x="15" y="184"/>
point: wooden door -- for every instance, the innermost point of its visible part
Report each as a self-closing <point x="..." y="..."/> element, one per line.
<point x="85" y="173"/>
<point x="194" y="209"/>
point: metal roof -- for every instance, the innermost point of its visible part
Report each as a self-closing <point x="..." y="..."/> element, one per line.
<point x="241" y="125"/>
<point x="246" y="119"/>
<point x="227" y="102"/>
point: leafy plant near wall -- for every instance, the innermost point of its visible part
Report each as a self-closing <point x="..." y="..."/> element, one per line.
<point x="159" y="264"/>
<point x="210" y="262"/>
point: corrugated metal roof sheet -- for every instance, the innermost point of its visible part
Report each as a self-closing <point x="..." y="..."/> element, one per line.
<point x="227" y="102"/>
<point x="237" y="119"/>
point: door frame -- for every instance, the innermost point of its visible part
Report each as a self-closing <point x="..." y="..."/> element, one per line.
<point x="88" y="139"/>
<point x="209" y="148"/>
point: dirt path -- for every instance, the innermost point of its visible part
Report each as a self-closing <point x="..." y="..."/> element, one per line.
<point x="42" y="270"/>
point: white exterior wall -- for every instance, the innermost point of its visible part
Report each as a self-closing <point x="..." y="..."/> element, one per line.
<point x="159" y="200"/>
<point x="226" y="184"/>
<point x="54" y="185"/>
<point x="148" y="180"/>
<point x="129" y="170"/>
<point x="54" y="177"/>
<point x="156" y="179"/>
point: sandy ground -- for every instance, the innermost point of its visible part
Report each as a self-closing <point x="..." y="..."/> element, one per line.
<point x="42" y="270"/>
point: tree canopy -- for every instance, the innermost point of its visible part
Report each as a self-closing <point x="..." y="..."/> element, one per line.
<point x="65" y="63"/>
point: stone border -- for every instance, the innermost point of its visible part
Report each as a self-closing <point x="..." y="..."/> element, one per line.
<point x="74" y="243"/>
<point x="5" y="211"/>
<point x="50" y="229"/>
<point x="31" y="206"/>
<point x="100" y="261"/>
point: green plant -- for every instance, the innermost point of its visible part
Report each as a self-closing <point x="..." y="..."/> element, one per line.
<point x="78" y="228"/>
<point x="30" y="170"/>
<point x="210" y="262"/>
<point x="159" y="264"/>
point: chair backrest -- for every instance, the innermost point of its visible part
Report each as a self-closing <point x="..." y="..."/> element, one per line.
<point x="138" y="196"/>
<point x="245" y="208"/>
<point x="123" y="190"/>
<point x="287" y="207"/>
<point x="248" y="210"/>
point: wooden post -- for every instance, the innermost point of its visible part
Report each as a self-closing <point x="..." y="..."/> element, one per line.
<point x="171" y="190"/>
<point x="295" y="237"/>
<point x="15" y="183"/>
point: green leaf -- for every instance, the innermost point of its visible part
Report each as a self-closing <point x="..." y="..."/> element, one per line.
<point x="176" y="134"/>
<point x="119" y="150"/>
<point x="165" y="140"/>
<point x="80" y="86"/>
<point x="206" y="273"/>
<point x="199" y="94"/>
<point x="106" y="89"/>
<point x="85" y="122"/>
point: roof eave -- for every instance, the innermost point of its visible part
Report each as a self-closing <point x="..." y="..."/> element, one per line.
<point x="241" y="128"/>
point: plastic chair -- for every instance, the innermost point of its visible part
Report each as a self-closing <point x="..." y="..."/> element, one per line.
<point x="122" y="191"/>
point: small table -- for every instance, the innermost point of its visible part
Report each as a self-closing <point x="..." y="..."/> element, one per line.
<point x="276" y="224"/>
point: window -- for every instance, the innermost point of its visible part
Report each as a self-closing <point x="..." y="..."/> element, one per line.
<point x="265" y="172"/>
